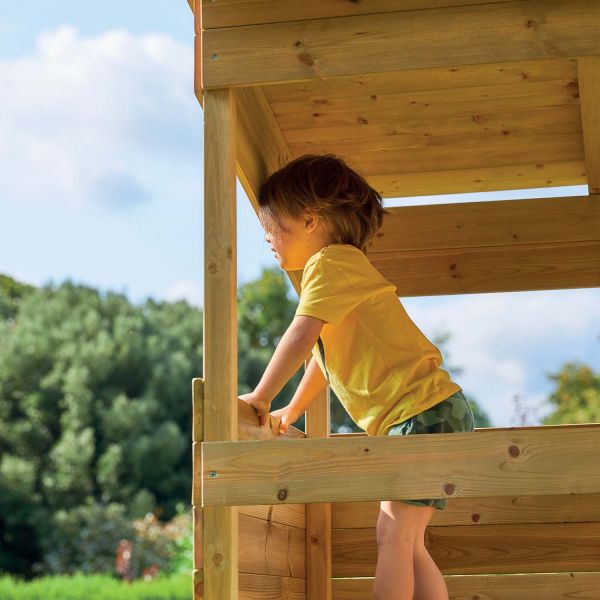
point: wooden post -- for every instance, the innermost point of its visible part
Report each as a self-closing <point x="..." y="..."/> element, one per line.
<point x="318" y="514"/>
<point x="220" y="403"/>
<point x="588" y="74"/>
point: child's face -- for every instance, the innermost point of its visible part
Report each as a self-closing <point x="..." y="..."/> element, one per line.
<point x="297" y="240"/>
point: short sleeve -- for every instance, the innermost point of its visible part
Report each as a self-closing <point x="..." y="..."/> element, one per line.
<point x="326" y="292"/>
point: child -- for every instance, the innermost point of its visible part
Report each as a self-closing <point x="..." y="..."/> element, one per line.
<point x="319" y="217"/>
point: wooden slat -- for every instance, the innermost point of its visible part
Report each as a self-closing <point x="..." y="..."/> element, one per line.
<point x="233" y="13"/>
<point x="271" y="587"/>
<point x="220" y="409"/>
<point x="475" y="247"/>
<point x="520" y="461"/>
<point x="318" y="514"/>
<point x="480" y="179"/>
<point x="271" y="548"/>
<point x="468" y="550"/>
<point x="546" y="586"/>
<point x="501" y="510"/>
<point x="340" y="46"/>
<point x="261" y="147"/>
<point x="588" y="68"/>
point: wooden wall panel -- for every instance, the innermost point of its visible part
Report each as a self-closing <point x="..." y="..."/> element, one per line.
<point x="520" y="461"/>
<point x="546" y="586"/>
<point x="459" y="35"/>
<point x="468" y="550"/>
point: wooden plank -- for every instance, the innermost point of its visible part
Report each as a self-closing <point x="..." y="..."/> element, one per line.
<point x="475" y="247"/>
<point x="501" y="510"/>
<point x="271" y="587"/>
<point x="261" y="147"/>
<point x="467" y="550"/>
<point x="233" y="13"/>
<point x="480" y="179"/>
<point x="220" y="410"/>
<point x="492" y="269"/>
<point x="318" y="514"/>
<point x="520" y="461"/>
<point x="588" y="68"/>
<point x="271" y="548"/>
<point x="353" y="45"/>
<point x="549" y="586"/>
<point x="489" y="224"/>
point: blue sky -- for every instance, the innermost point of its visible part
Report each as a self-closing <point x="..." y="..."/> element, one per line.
<point x="101" y="182"/>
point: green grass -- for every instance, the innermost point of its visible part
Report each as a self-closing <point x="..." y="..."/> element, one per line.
<point x="96" y="587"/>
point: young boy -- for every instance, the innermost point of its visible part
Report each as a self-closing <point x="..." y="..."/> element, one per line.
<point x="319" y="217"/>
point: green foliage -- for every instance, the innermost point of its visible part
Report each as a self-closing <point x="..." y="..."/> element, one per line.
<point x="576" y="398"/>
<point x="96" y="587"/>
<point x="95" y="418"/>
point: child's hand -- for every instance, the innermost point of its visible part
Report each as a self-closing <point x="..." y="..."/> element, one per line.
<point x="260" y="405"/>
<point x="282" y="418"/>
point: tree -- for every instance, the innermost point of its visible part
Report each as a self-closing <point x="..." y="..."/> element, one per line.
<point x="576" y="398"/>
<point x="95" y="409"/>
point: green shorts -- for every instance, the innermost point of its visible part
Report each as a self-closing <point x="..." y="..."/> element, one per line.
<point x="452" y="415"/>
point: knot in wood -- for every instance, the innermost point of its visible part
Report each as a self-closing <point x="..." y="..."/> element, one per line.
<point x="514" y="451"/>
<point x="475" y="518"/>
<point x="449" y="489"/>
<point x="282" y="494"/>
<point x="212" y="267"/>
<point x="217" y="558"/>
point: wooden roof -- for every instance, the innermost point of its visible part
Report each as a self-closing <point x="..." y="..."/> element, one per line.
<point x="428" y="97"/>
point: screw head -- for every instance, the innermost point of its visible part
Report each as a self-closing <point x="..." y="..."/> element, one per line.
<point x="212" y="474"/>
<point x="214" y="56"/>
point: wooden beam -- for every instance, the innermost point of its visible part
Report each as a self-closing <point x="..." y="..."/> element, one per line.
<point x="233" y="13"/>
<point x="220" y="407"/>
<point x="537" y="461"/>
<point x="588" y="69"/>
<point x="318" y="514"/>
<point x="549" y="586"/>
<point x="490" y="510"/>
<point x="353" y="45"/>
<point x="470" y="550"/>
<point x="475" y="247"/>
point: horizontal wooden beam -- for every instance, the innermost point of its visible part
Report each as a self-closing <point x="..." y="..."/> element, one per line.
<point x="469" y="550"/>
<point x="549" y="586"/>
<point x="353" y="45"/>
<point x="488" y="510"/>
<point x="234" y="13"/>
<point x="476" y="247"/>
<point x="536" y="461"/>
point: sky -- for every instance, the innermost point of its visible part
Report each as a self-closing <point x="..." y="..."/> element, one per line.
<point x="101" y="182"/>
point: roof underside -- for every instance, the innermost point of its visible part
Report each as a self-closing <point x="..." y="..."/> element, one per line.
<point x="428" y="97"/>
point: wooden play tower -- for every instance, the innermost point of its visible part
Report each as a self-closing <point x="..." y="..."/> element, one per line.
<point x="420" y="97"/>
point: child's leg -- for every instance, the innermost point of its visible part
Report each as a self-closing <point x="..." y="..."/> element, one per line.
<point x="405" y="570"/>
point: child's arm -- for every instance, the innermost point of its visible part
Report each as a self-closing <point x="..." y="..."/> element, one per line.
<point x="292" y="350"/>
<point x="313" y="382"/>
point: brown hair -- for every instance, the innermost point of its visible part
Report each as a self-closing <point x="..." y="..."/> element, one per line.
<point x="325" y="185"/>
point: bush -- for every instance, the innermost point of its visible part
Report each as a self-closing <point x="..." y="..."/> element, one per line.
<point x="96" y="587"/>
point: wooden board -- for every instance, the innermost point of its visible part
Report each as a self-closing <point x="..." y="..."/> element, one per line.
<point x="519" y="461"/>
<point x="546" y="586"/>
<point x="500" y="510"/>
<point x="468" y="550"/>
<point x="352" y="45"/>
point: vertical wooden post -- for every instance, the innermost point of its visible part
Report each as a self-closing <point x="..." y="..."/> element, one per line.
<point x="588" y="75"/>
<point x="219" y="411"/>
<point x="318" y="514"/>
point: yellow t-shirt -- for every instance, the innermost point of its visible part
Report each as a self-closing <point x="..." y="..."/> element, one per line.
<point x="381" y="366"/>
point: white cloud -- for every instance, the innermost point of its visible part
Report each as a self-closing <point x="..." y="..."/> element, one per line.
<point x="186" y="289"/>
<point x="88" y="120"/>
<point x="506" y="343"/>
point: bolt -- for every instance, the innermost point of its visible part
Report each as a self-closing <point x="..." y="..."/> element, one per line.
<point x="212" y="474"/>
